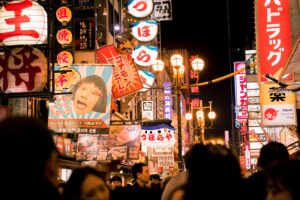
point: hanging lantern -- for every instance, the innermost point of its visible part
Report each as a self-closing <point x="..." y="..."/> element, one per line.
<point x="23" y="23"/>
<point x="140" y="8"/>
<point x="64" y="36"/>
<point x="64" y="58"/>
<point x="64" y="15"/>
<point x="145" y="55"/>
<point x="23" y="70"/>
<point x="145" y="30"/>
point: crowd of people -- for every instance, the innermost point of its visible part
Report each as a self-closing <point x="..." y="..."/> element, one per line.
<point x="30" y="168"/>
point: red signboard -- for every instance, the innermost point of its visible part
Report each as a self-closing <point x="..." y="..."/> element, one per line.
<point x="126" y="79"/>
<point x="274" y="36"/>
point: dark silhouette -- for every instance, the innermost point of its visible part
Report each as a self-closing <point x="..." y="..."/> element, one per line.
<point x="29" y="160"/>
<point x="256" y="184"/>
<point x="283" y="180"/>
<point x="213" y="172"/>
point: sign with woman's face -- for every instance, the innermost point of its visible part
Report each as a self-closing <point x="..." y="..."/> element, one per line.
<point x="86" y="98"/>
<point x="87" y="108"/>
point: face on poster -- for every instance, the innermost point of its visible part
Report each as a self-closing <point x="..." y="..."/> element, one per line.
<point x="87" y="106"/>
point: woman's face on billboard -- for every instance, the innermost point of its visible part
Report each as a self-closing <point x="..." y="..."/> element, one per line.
<point x="86" y="98"/>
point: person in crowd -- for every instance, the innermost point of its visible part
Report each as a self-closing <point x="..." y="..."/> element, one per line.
<point x="283" y="180"/>
<point x="116" y="181"/>
<point x="270" y="153"/>
<point x="156" y="185"/>
<point x="89" y="94"/>
<point x="86" y="183"/>
<point x="30" y="160"/>
<point x="213" y="172"/>
<point x="141" y="188"/>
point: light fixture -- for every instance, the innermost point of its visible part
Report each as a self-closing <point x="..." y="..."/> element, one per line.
<point x="212" y="115"/>
<point x="188" y="116"/>
<point x="197" y="64"/>
<point x="158" y="66"/>
<point x="176" y="60"/>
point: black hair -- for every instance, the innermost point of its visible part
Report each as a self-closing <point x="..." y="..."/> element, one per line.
<point x="137" y="168"/>
<point x="116" y="178"/>
<point x="72" y="189"/>
<point x="272" y="152"/>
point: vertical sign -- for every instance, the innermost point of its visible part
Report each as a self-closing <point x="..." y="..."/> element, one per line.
<point x="147" y="110"/>
<point x="167" y="99"/>
<point x="241" y="92"/>
<point x="274" y="36"/>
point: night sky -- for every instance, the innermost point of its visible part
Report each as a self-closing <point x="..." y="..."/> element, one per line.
<point x="204" y="28"/>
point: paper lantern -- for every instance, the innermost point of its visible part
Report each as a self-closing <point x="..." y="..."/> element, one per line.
<point x="64" y="58"/>
<point x="140" y="8"/>
<point x="63" y="14"/>
<point x="64" y="36"/>
<point x="145" y="55"/>
<point x="145" y="30"/>
<point x="23" y="23"/>
<point x="23" y="70"/>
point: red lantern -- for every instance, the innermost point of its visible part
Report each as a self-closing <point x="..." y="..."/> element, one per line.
<point x="64" y="58"/>
<point x="23" y="23"/>
<point x="63" y="14"/>
<point x="64" y="36"/>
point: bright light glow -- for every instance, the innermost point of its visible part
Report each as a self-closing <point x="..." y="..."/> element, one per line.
<point x="117" y="27"/>
<point x="211" y="115"/>
<point x="188" y="116"/>
<point x="200" y="114"/>
<point x="158" y="66"/>
<point x="197" y="64"/>
<point x="176" y="60"/>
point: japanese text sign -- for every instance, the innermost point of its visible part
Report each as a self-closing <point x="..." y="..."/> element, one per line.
<point x="126" y="79"/>
<point x="278" y="108"/>
<point x="23" y="23"/>
<point x="145" y="30"/>
<point x="23" y="70"/>
<point x="274" y="36"/>
<point x="145" y="55"/>
<point x="140" y="8"/>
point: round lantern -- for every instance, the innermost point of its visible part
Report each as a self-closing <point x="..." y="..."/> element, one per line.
<point x="63" y="14"/>
<point x="27" y="23"/>
<point x="64" y="36"/>
<point x="64" y="58"/>
<point x="26" y="70"/>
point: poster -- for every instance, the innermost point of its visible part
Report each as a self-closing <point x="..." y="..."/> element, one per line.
<point x="86" y="107"/>
<point x="124" y="142"/>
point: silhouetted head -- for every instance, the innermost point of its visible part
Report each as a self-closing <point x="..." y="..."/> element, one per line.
<point x="272" y="152"/>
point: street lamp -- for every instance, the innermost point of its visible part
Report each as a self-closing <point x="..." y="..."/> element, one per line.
<point x="200" y="115"/>
<point x="178" y="71"/>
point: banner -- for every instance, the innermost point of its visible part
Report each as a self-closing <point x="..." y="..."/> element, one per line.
<point x="126" y="79"/>
<point x="273" y="37"/>
<point x="87" y="108"/>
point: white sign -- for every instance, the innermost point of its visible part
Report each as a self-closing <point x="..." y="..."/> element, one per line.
<point x="140" y="8"/>
<point x="145" y="30"/>
<point x="147" y="110"/>
<point x="145" y="55"/>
